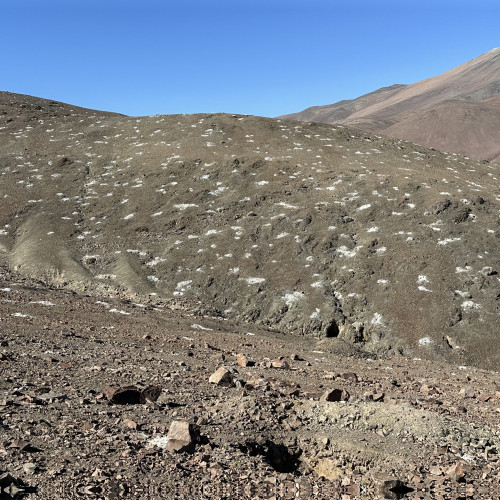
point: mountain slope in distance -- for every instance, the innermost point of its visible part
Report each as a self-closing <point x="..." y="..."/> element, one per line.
<point x="456" y="111"/>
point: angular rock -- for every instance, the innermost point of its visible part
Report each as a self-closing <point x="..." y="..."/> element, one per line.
<point x="335" y="395"/>
<point x="129" y="395"/>
<point x="151" y="392"/>
<point x="457" y="472"/>
<point x="182" y="436"/>
<point x="242" y="360"/>
<point x="131" y="424"/>
<point x="222" y="377"/>
<point x="132" y="395"/>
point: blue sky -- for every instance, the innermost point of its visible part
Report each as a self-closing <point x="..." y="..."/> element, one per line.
<point x="261" y="57"/>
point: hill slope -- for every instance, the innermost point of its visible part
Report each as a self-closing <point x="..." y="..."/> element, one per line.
<point x="303" y="228"/>
<point x="456" y="111"/>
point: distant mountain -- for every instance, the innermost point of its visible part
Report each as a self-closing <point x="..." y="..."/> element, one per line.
<point x="458" y="111"/>
<point x="308" y="229"/>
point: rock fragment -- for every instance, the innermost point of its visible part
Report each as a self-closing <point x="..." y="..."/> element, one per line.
<point x="280" y="364"/>
<point x="335" y="395"/>
<point x="222" y="377"/>
<point x="456" y="472"/>
<point x="182" y="436"/>
<point x="242" y="360"/>
<point x="132" y="395"/>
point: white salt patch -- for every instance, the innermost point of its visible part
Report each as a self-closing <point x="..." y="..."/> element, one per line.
<point x="468" y="305"/>
<point x="423" y="289"/>
<point x="43" y="302"/>
<point x="254" y="281"/>
<point x="373" y="229"/>
<point x="129" y="216"/>
<point x="21" y="315"/>
<point x="377" y="319"/>
<point x="184" y="206"/>
<point x="317" y="284"/>
<point x="199" y="327"/>
<point x="281" y="235"/>
<point x="425" y="341"/>
<point x="315" y="314"/>
<point x="448" y="240"/>
<point x="343" y="251"/>
<point x="119" y="311"/>
<point x="262" y="183"/>
<point x="183" y="285"/>
<point x="465" y="269"/>
<point x="285" y="205"/>
<point x="422" y="279"/>
<point x="363" y="207"/>
<point x="290" y="298"/>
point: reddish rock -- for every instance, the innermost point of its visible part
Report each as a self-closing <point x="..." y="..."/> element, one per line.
<point x="242" y="360"/>
<point x="130" y="423"/>
<point x="335" y="395"/>
<point x="129" y="395"/>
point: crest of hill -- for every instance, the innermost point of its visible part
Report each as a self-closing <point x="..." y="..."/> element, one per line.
<point x="305" y="228"/>
<point x="464" y="99"/>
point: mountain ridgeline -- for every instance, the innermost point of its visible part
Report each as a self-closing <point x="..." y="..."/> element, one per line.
<point x="458" y="111"/>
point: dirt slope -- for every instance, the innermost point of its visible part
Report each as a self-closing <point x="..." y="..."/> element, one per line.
<point x="303" y="228"/>
<point x="451" y="112"/>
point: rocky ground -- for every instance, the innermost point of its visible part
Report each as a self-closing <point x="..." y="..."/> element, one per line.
<point x="108" y="398"/>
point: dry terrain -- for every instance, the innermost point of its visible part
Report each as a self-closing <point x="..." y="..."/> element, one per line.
<point x="457" y="111"/>
<point x="228" y="306"/>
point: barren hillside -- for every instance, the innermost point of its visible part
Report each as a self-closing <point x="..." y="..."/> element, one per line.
<point x="307" y="229"/>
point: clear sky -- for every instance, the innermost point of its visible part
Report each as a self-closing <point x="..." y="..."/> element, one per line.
<point x="261" y="57"/>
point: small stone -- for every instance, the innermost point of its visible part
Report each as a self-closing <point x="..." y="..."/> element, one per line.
<point x="488" y="271"/>
<point x="349" y="376"/>
<point x="242" y="360"/>
<point x="151" y="392"/>
<point x="280" y="364"/>
<point x="130" y="423"/>
<point x="435" y="470"/>
<point x="29" y="467"/>
<point x="222" y="377"/>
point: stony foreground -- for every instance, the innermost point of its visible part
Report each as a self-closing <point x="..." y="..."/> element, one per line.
<point x="96" y="402"/>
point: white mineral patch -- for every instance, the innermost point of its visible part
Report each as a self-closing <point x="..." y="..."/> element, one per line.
<point x="291" y="298"/>
<point x="468" y="305"/>
<point x="425" y="341"/>
<point x="254" y="281"/>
